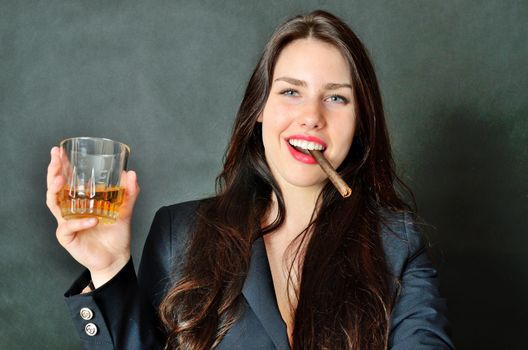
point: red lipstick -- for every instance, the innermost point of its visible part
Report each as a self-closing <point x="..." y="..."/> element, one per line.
<point x="307" y="138"/>
<point x="300" y="156"/>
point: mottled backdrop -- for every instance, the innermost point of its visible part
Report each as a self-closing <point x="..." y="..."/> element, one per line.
<point x="166" y="77"/>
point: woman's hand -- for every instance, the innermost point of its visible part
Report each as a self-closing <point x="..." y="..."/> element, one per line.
<point x="102" y="249"/>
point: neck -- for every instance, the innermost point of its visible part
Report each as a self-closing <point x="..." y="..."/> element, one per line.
<point x="300" y="203"/>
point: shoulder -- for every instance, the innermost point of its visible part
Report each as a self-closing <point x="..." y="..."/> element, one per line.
<point x="182" y="211"/>
<point x="175" y="222"/>
<point x="164" y="248"/>
<point x="169" y="232"/>
<point x="401" y="238"/>
<point x="418" y="318"/>
<point x="180" y="215"/>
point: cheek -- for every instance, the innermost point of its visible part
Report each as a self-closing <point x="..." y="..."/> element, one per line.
<point x="275" y="119"/>
<point x="345" y="134"/>
<point x="270" y="129"/>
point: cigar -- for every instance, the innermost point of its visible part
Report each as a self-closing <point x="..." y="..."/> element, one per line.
<point x="337" y="181"/>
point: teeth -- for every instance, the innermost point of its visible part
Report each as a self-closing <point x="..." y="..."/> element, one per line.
<point x="306" y="144"/>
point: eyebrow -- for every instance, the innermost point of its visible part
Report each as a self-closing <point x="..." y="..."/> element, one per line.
<point x="329" y="86"/>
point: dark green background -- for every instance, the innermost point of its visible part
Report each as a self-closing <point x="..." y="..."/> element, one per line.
<point x="166" y="77"/>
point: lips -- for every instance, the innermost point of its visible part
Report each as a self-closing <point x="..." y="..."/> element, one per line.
<point x="298" y="145"/>
<point x="308" y="139"/>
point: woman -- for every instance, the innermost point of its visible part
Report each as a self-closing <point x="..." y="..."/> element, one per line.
<point x="277" y="259"/>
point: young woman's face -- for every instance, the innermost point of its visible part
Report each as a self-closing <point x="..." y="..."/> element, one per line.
<point x="310" y="105"/>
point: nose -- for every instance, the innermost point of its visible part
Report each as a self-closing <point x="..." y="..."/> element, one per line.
<point x="312" y="116"/>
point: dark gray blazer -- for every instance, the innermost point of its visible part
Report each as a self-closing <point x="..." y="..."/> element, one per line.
<point x="122" y="313"/>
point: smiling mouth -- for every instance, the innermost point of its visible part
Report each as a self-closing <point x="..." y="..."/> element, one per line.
<point x="304" y="146"/>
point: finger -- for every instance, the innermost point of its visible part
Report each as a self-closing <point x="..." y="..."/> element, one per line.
<point x="68" y="229"/>
<point x="54" y="166"/>
<point x="55" y="181"/>
<point x="131" y="193"/>
<point x="51" y="197"/>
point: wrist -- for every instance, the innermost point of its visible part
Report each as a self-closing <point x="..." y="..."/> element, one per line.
<point x="100" y="277"/>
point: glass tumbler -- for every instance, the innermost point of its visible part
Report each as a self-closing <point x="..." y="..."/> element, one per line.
<point x="92" y="168"/>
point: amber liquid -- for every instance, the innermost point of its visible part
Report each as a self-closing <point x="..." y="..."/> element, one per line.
<point x="101" y="203"/>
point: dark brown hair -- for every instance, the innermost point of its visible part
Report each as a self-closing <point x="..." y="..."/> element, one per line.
<point x="344" y="297"/>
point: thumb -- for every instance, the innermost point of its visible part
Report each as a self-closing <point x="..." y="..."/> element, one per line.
<point x="129" y="182"/>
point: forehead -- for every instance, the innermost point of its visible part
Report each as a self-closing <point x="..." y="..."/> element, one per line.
<point x="312" y="59"/>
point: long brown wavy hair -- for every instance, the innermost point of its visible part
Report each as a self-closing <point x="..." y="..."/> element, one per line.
<point x="344" y="298"/>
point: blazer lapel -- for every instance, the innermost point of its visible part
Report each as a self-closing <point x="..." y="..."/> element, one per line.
<point x="260" y="294"/>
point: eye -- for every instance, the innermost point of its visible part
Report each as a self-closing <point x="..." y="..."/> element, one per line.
<point x="338" y="99"/>
<point x="289" y="92"/>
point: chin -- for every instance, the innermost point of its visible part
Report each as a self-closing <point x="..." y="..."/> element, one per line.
<point x="305" y="181"/>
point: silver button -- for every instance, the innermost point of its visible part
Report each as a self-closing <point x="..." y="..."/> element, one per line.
<point x="90" y="329"/>
<point x="86" y="313"/>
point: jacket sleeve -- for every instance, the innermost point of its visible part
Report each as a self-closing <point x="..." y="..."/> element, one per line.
<point x="121" y="313"/>
<point x="419" y="316"/>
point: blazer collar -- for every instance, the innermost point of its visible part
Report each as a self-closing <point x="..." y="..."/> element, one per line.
<point x="260" y="294"/>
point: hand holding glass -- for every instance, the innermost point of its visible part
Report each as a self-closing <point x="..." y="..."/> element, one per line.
<point x="93" y="169"/>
